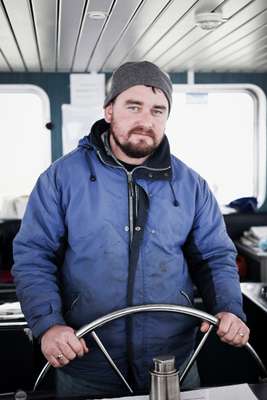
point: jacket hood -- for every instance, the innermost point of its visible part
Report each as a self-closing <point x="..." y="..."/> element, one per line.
<point x="156" y="167"/>
<point x="94" y="138"/>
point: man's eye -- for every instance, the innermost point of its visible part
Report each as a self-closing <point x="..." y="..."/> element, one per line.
<point x="133" y="108"/>
<point x="157" y="112"/>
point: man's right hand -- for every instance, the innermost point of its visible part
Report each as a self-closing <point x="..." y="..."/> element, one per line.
<point x="60" y="345"/>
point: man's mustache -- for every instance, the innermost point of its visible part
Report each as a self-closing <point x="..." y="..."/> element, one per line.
<point x="140" y="130"/>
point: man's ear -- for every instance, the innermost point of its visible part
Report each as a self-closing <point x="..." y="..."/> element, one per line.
<point x="108" y="113"/>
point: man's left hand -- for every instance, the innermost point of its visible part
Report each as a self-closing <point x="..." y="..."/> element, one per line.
<point x="231" y="329"/>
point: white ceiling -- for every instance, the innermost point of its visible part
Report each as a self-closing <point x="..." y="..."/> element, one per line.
<point x="60" y="36"/>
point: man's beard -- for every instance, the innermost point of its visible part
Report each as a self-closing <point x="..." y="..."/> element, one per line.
<point x="136" y="150"/>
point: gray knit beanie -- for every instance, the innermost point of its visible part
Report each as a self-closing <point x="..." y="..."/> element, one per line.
<point x="138" y="73"/>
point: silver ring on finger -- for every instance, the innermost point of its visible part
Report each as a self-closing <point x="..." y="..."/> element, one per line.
<point x="59" y="356"/>
<point x="241" y="334"/>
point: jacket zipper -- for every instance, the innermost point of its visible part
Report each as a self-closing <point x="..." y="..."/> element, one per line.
<point x="131" y="204"/>
<point x="130" y="192"/>
<point x="130" y="188"/>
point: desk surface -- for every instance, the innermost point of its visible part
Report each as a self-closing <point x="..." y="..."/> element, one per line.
<point x="251" y="250"/>
<point x="260" y="390"/>
<point x="252" y="291"/>
<point x="256" y="254"/>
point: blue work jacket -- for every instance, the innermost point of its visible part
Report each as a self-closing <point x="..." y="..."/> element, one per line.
<point x="79" y="254"/>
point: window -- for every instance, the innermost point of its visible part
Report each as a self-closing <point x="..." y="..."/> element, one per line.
<point x="219" y="131"/>
<point x="25" y="144"/>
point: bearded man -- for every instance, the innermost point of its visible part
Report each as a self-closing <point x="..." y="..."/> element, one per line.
<point x="118" y="222"/>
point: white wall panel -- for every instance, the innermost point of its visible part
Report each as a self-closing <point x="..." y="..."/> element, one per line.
<point x="235" y="20"/>
<point x="118" y="22"/>
<point x="59" y="35"/>
<point x="20" y="17"/>
<point x="8" y="44"/>
<point x="45" y="17"/>
<point x="90" y="33"/>
<point x="70" y="20"/>
<point x="177" y="10"/>
<point x="141" y="24"/>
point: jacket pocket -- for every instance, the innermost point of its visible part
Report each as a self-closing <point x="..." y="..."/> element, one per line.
<point x="186" y="298"/>
<point x="71" y="307"/>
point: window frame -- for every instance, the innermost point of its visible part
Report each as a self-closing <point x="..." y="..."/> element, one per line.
<point x="31" y="89"/>
<point x="259" y="149"/>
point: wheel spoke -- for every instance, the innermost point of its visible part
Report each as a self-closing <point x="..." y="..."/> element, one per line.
<point x="195" y="354"/>
<point x="108" y="357"/>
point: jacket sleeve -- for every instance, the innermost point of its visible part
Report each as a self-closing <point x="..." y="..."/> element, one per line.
<point x="211" y="257"/>
<point x="35" y="252"/>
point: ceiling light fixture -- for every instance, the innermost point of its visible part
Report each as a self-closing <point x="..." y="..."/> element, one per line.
<point x="209" y="20"/>
<point x="97" y="14"/>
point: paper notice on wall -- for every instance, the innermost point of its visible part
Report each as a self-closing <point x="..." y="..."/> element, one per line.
<point x="76" y="123"/>
<point x="87" y="93"/>
<point x="87" y="90"/>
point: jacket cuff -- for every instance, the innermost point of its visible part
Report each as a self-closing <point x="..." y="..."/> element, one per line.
<point x="234" y="309"/>
<point x="44" y="323"/>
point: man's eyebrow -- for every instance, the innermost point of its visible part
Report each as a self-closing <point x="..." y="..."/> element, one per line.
<point x="132" y="101"/>
<point x="140" y="103"/>
<point x="159" y="107"/>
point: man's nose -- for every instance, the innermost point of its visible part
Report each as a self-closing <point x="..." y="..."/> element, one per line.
<point x="147" y="119"/>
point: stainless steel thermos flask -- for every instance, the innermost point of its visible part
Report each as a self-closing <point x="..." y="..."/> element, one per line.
<point x="164" y="379"/>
